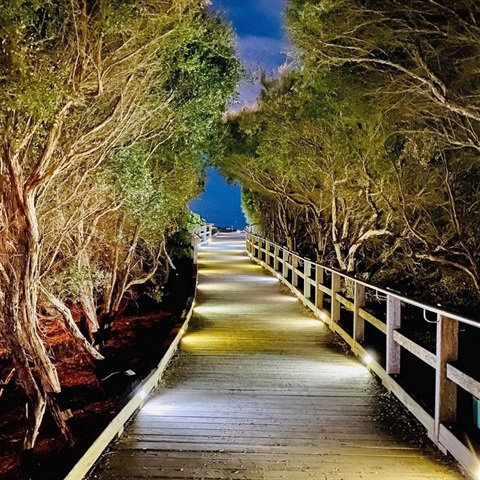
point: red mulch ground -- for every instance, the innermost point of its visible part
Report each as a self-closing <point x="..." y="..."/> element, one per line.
<point x="93" y="392"/>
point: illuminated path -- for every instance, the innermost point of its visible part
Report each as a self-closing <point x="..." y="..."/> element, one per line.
<point x="261" y="391"/>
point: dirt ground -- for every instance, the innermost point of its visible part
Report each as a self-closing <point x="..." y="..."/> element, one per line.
<point x="94" y="392"/>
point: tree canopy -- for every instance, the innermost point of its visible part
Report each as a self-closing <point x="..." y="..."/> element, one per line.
<point x="364" y="154"/>
<point x="107" y="112"/>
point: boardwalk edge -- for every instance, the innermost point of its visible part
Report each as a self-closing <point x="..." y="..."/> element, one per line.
<point x="138" y="397"/>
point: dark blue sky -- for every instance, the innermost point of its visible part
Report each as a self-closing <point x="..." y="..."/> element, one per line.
<point x="261" y="45"/>
<point x="261" y="40"/>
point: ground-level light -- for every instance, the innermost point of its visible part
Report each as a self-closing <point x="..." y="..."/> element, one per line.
<point x="368" y="359"/>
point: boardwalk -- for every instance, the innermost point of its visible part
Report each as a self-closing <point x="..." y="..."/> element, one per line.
<point x="261" y="391"/>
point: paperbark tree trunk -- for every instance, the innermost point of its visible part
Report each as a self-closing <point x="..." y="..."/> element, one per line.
<point x="19" y="271"/>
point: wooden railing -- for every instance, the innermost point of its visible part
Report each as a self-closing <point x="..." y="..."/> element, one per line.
<point x="371" y="320"/>
<point x="200" y="235"/>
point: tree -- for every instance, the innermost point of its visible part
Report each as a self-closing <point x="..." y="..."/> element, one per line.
<point x="81" y="80"/>
<point x="372" y="138"/>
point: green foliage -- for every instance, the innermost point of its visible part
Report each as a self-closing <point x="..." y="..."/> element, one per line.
<point x="362" y="154"/>
<point x="203" y="73"/>
<point x="70" y="283"/>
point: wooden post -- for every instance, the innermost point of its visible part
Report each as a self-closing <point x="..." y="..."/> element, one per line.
<point x="358" y="321"/>
<point x="276" y="250"/>
<point x="394" y="321"/>
<point x="294" y="272"/>
<point x="318" y="292"/>
<point x="445" y="389"/>
<point x="270" y="254"/>
<point x="285" y="266"/>
<point x="195" y="249"/>
<point x="307" y="272"/>
<point x="335" y="304"/>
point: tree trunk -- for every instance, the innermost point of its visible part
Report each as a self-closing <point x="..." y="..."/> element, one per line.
<point x="72" y="326"/>
<point x="19" y="272"/>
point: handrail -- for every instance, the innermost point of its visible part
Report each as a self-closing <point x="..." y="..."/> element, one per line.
<point x="438" y="309"/>
<point x="284" y="264"/>
<point x="200" y="235"/>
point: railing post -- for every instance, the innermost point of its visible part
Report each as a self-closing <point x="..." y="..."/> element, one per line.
<point x="256" y="248"/>
<point x="445" y="389"/>
<point x="195" y="249"/>
<point x="318" y="292"/>
<point x="204" y="232"/>
<point x="394" y="321"/>
<point x="307" y="272"/>
<point x="276" y="251"/>
<point x="335" y="304"/>
<point x="294" y="271"/>
<point x="358" y="321"/>
<point x="210" y="231"/>
<point x="285" y="266"/>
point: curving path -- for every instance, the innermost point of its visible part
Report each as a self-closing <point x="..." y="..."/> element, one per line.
<point x="261" y="391"/>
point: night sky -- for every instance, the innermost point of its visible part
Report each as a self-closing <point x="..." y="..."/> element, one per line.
<point x="261" y="44"/>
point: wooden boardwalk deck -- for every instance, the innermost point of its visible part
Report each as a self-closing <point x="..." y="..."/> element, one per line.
<point x="261" y="391"/>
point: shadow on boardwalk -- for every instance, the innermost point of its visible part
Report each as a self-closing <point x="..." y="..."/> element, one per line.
<point x="260" y="390"/>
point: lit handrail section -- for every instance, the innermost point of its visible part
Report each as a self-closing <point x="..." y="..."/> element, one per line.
<point x="200" y="235"/>
<point x="321" y="288"/>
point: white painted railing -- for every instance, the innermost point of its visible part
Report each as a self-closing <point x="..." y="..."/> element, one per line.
<point x="321" y="288"/>
<point x="200" y="235"/>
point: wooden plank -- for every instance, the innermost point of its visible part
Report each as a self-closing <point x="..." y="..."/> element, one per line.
<point x="265" y="393"/>
<point x="417" y="350"/>
<point x="463" y="380"/>
<point x="116" y="426"/>
<point x="325" y="289"/>
<point x="378" y="324"/>
<point x="463" y="454"/>
<point x="344" y="301"/>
